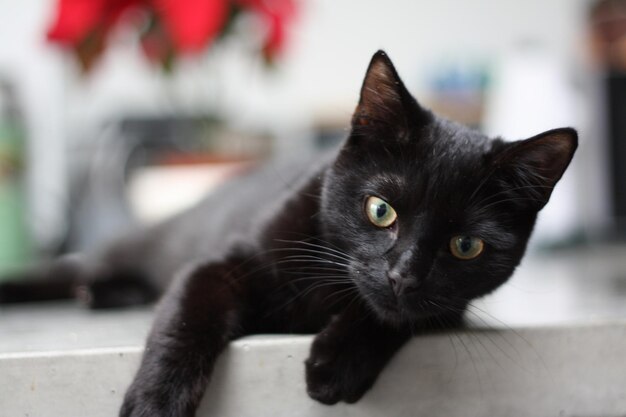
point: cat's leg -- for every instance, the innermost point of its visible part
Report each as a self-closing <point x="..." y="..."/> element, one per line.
<point x="107" y="287"/>
<point x="195" y="321"/>
<point x="348" y="355"/>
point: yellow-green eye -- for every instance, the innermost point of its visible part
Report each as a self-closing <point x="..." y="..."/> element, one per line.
<point x="466" y="247"/>
<point x="379" y="212"/>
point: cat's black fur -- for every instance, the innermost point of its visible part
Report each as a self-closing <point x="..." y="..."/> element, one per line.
<point x="290" y="250"/>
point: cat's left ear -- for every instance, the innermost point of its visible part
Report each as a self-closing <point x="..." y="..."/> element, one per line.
<point x="532" y="167"/>
<point x="385" y="101"/>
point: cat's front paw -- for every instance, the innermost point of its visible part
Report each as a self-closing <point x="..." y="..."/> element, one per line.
<point x="141" y="401"/>
<point x="337" y="377"/>
<point x="139" y="404"/>
<point x="133" y="406"/>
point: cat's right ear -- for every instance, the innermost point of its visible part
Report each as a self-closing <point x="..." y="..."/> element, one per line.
<point x="385" y="101"/>
<point x="532" y="167"/>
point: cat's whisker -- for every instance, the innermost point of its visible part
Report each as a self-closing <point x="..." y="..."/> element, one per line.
<point x="476" y="340"/>
<point x="307" y="251"/>
<point x="346" y="292"/>
<point x="506" y="340"/>
<point x="307" y="259"/>
<point x="306" y="236"/>
<point x="272" y="265"/>
<point x="304" y="293"/>
<point x="323" y="248"/>
<point x="312" y="269"/>
<point x="473" y="360"/>
<point x="335" y="279"/>
<point x="504" y="351"/>
<point x="444" y="325"/>
<point x="268" y="251"/>
<point x="516" y="333"/>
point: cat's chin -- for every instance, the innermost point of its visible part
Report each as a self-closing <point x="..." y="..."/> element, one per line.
<point x="394" y="312"/>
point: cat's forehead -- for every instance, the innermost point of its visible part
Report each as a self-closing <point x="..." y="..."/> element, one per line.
<point x="450" y="142"/>
<point x="443" y="164"/>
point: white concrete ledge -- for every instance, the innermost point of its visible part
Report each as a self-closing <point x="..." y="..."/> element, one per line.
<point x="543" y="371"/>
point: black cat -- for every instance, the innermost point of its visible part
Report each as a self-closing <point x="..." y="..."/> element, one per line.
<point x="392" y="235"/>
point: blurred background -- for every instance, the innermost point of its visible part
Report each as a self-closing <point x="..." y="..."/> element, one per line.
<point x="119" y="112"/>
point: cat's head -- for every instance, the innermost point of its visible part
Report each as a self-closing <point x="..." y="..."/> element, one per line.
<point x="432" y="213"/>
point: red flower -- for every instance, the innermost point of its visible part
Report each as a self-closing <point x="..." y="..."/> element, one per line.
<point x="277" y="15"/>
<point x="192" y="24"/>
<point x="174" y="25"/>
<point x="84" y="24"/>
<point x="275" y="40"/>
<point x="76" y="19"/>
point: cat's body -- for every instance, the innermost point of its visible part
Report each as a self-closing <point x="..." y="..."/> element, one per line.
<point x="149" y="257"/>
<point x="392" y="235"/>
<point x="235" y="215"/>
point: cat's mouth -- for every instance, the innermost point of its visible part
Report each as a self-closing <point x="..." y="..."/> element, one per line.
<point x="406" y="308"/>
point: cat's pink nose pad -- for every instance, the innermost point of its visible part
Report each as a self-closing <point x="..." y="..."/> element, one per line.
<point x="400" y="284"/>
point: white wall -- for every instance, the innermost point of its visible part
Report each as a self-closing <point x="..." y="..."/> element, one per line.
<point x="38" y="73"/>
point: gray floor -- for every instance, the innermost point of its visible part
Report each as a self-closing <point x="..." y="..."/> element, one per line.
<point x="568" y="288"/>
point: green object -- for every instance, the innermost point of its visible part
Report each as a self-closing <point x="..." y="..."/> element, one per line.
<point x="15" y="243"/>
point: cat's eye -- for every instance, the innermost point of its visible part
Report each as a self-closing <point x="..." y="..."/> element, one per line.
<point x="379" y="212"/>
<point x="466" y="247"/>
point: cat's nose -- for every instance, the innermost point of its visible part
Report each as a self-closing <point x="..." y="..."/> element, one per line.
<point x="400" y="284"/>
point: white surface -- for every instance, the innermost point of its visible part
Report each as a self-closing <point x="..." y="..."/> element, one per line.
<point x="577" y="371"/>
<point x="566" y="288"/>
<point x="69" y="327"/>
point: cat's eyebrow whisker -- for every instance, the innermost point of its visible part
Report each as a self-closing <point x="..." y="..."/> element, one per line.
<point x="490" y="174"/>
<point x="506" y="200"/>
<point x="510" y="190"/>
<point x="483" y="182"/>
